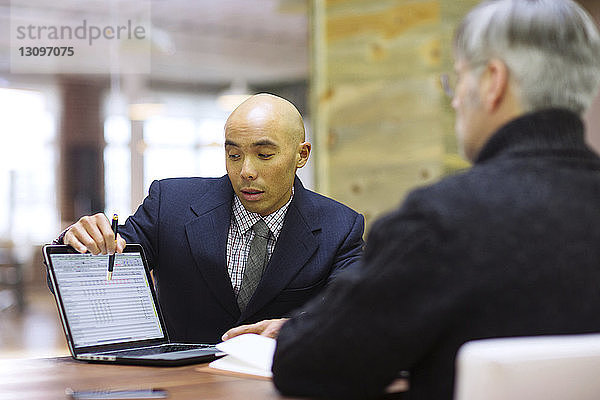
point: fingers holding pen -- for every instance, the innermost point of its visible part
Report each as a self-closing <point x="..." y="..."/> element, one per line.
<point x="83" y="238"/>
<point x="80" y="240"/>
<point x="100" y="229"/>
<point x="91" y="233"/>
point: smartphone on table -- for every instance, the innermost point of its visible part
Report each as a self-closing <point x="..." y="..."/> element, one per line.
<point x="117" y="394"/>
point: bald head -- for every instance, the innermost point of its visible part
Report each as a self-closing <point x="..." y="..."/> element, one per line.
<point x="267" y="110"/>
<point x="264" y="146"/>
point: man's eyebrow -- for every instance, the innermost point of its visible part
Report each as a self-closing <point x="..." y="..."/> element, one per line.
<point x="258" y="143"/>
<point x="264" y="142"/>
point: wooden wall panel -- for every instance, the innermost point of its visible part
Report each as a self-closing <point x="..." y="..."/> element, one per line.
<point x="381" y="123"/>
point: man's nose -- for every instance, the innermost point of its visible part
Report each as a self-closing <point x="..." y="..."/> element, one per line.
<point x="248" y="170"/>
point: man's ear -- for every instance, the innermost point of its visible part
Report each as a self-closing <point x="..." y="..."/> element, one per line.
<point x="495" y="84"/>
<point x="303" y="153"/>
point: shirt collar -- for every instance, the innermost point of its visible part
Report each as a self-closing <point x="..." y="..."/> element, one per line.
<point x="244" y="219"/>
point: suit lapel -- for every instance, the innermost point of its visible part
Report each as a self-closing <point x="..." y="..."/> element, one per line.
<point x="207" y="238"/>
<point x="295" y="245"/>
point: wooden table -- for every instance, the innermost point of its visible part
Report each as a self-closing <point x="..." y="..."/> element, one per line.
<point x="47" y="378"/>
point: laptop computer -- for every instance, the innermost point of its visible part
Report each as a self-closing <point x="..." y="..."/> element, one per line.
<point x="117" y="321"/>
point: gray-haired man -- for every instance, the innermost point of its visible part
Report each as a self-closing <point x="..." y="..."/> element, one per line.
<point x="508" y="248"/>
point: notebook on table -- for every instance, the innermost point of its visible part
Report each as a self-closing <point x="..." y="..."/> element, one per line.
<point x="117" y="321"/>
<point x="248" y="354"/>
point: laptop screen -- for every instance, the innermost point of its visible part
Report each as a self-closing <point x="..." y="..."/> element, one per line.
<point x="100" y="311"/>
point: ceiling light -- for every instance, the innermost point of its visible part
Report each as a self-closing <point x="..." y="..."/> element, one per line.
<point x="234" y="95"/>
<point x="144" y="111"/>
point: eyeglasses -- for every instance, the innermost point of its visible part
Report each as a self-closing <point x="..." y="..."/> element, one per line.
<point x="448" y="84"/>
<point x="449" y="81"/>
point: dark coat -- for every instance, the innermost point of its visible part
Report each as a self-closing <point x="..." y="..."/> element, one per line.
<point x="183" y="226"/>
<point x="509" y="248"/>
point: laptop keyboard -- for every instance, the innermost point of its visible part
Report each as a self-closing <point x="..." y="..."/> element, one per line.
<point x="168" y="348"/>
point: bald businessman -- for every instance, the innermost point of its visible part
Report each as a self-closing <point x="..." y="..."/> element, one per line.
<point x="197" y="232"/>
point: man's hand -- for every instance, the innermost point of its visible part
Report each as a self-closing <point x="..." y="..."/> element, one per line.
<point x="93" y="233"/>
<point x="267" y="327"/>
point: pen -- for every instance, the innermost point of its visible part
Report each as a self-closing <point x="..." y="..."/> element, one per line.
<point x="111" y="257"/>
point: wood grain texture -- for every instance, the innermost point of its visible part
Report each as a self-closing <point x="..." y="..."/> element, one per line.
<point x="380" y="117"/>
<point x="48" y="378"/>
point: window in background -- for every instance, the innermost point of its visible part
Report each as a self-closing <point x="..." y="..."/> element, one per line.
<point x="117" y="166"/>
<point x="170" y="148"/>
<point x="28" y="206"/>
<point x="186" y="139"/>
<point x="183" y="147"/>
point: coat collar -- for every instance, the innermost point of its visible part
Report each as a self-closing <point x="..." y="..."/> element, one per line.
<point x="220" y="195"/>
<point x="550" y="130"/>
<point x="207" y="239"/>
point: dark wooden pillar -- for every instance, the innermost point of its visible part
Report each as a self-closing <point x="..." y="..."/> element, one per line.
<point x="81" y="149"/>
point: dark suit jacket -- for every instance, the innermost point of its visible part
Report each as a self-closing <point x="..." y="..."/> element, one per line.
<point x="509" y="248"/>
<point x="183" y="226"/>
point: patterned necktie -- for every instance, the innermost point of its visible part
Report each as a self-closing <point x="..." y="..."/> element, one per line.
<point x="255" y="264"/>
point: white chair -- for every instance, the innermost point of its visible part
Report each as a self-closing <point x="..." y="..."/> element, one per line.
<point x="529" y="368"/>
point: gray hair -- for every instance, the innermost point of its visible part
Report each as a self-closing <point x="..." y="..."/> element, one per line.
<point x="551" y="48"/>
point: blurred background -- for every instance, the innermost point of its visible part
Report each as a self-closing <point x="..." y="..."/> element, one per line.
<point x="77" y="140"/>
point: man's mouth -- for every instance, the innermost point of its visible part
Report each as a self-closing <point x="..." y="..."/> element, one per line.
<point x="252" y="194"/>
